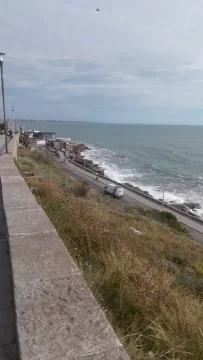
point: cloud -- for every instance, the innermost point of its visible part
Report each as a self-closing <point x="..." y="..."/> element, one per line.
<point x="69" y="59"/>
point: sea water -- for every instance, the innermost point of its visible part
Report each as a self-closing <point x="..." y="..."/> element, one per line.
<point x="152" y="157"/>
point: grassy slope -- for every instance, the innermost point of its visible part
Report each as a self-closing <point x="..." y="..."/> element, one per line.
<point x="150" y="286"/>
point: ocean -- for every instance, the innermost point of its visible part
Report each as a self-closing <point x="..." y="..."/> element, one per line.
<point x="152" y="157"/>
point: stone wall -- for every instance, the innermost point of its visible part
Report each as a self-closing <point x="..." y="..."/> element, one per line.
<point x="57" y="316"/>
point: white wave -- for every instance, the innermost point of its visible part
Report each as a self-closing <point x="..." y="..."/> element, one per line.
<point x="105" y="158"/>
<point x="106" y="161"/>
<point x="157" y="193"/>
<point x="198" y="212"/>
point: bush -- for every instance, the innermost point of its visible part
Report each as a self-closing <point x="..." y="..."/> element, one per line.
<point x="199" y="268"/>
<point x="81" y="189"/>
<point x="176" y="257"/>
<point x="36" y="154"/>
<point x="166" y="218"/>
<point x="41" y="156"/>
<point x="192" y="282"/>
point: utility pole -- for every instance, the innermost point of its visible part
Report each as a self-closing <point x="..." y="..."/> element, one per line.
<point x="3" y="99"/>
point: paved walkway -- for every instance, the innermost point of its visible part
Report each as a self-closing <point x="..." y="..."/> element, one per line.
<point x="8" y="346"/>
<point x="2" y="143"/>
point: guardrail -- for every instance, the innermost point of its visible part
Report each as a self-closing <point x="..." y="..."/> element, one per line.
<point x="159" y="203"/>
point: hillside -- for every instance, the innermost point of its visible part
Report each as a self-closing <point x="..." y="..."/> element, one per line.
<point x="150" y="285"/>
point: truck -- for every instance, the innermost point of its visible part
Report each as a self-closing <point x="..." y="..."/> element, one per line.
<point x="114" y="190"/>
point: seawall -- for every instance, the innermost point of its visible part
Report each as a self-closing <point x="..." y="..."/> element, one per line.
<point x="57" y="316"/>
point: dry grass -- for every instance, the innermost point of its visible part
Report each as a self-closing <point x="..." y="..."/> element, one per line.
<point x="136" y="279"/>
<point x="81" y="189"/>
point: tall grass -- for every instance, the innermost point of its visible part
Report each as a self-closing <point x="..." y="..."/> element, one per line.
<point x="134" y="278"/>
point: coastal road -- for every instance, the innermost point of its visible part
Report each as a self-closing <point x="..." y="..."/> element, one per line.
<point x="195" y="228"/>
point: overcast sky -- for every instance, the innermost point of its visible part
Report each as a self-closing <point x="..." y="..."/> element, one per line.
<point x="138" y="61"/>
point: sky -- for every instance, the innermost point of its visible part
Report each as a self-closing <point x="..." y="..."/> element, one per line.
<point x="134" y="61"/>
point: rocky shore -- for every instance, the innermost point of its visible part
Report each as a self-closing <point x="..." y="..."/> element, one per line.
<point x="137" y="189"/>
<point x="74" y="151"/>
<point x="187" y="207"/>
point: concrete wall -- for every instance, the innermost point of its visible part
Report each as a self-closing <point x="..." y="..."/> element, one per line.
<point x="13" y="145"/>
<point x="57" y="316"/>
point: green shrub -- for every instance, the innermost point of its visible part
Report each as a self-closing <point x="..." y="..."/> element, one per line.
<point x="199" y="268"/>
<point x="192" y="282"/>
<point x="175" y="257"/>
<point x="166" y="218"/>
<point x="36" y="154"/>
<point x="41" y="156"/>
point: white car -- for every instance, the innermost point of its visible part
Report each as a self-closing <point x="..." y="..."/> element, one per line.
<point x="114" y="190"/>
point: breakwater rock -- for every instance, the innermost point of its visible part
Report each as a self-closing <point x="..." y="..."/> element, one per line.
<point x="138" y="189"/>
<point x="74" y="150"/>
<point x="188" y="207"/>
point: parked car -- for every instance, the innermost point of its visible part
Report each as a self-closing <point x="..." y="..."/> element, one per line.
<point x="114" y="190"/>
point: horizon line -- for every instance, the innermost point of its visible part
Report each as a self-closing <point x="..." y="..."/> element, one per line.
<point x="106" y="123"/>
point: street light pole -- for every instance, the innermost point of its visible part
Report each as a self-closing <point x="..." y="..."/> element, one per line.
<point x="163" y="201"/>
<point x="3" y="99"/>
<point x="13" y="121"/>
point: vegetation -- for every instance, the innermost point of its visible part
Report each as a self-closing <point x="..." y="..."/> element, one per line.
<point x="166" y="218"/>
<point x="81" y="189"/>
<point x="150" y="285"/>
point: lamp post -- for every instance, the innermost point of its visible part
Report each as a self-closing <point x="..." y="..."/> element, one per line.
<point x="163" y="200"/>
<point x="3" y="99"/>
<point x="13" y="120"/>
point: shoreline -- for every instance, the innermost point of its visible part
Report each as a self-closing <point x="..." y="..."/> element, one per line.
<point x="189" y="207"/>
<point x="76" y="151"/>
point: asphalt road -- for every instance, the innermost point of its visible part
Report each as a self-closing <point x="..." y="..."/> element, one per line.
<point x="131" y="198"/>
